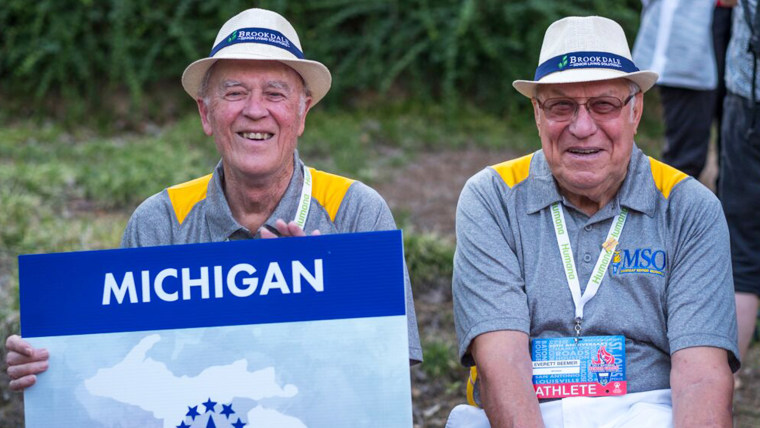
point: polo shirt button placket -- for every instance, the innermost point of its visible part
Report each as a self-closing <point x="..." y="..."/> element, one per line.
<point x="588" y="228"/>
<point x="587" y="258"/>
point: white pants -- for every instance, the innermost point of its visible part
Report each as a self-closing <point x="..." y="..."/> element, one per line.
<point x="638" y="410"/>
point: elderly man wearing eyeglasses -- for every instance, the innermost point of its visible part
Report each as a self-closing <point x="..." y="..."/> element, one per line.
<point x="592" y="284"/>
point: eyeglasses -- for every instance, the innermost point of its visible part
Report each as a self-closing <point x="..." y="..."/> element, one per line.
<point x="600" y="109"/>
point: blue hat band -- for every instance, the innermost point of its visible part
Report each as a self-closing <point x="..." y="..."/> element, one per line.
<point x="262" y="36"/>
<point x="576" y="60"/>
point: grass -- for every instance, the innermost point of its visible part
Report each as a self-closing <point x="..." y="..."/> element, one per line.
<point x="429" y="258"/>
<point x="440" y="359"/>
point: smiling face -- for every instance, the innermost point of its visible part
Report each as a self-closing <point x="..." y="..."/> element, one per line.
<point x="587" y="157"/>
<point x="255" y="110"/>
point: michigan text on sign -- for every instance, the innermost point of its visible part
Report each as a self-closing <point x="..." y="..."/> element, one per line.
<point x="240" y="281"/>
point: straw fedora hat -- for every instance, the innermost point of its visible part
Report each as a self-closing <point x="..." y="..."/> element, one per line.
<point x="263" y="35"/>
<point x="584" y="49"/>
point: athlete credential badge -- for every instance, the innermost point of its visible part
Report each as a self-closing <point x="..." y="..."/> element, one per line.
<point x="591" y="367"/>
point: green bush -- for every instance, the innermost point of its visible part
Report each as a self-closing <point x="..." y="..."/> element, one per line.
<point x="450" y="50"/>
<point x="86" y="53"/>
<point x="429" y="259"/>
<point x="441" y="360"/>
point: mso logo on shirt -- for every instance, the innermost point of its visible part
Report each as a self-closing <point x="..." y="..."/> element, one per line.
<point x="639" y="260"/>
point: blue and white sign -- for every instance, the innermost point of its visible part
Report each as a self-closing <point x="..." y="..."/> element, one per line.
<point x="295" y="332"/>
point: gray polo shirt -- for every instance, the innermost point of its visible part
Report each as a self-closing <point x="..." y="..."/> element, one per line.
<point x="668" y="287"/>
<point x="197" y="211"/>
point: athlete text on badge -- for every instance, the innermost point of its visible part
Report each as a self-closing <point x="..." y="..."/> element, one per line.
<point x="566" y="390"/>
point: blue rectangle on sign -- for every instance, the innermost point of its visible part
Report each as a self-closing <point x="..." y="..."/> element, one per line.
<point x="215" y="284"/>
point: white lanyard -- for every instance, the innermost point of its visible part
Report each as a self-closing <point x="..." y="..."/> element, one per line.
<point x="568" y="262"/>
<point x="305" y="200"/>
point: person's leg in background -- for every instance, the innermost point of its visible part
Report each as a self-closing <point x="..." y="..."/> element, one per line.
<point x="746" y="315"/>
<point x="739" y="191"/>
<point x="688" y="115"/>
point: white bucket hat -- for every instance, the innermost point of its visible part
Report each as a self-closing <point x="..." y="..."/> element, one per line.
<point x="263" y="35"/>
<point x="585" y="49"/>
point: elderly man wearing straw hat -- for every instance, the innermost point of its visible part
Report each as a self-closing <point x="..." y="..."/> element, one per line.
<point x="592" y="284"/>
<point x="253" y="94"/>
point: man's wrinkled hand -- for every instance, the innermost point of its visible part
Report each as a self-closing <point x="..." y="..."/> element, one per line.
<point x="24" y="362"/>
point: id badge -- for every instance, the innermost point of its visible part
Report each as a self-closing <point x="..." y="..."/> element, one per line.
<point x="592" y="367"/>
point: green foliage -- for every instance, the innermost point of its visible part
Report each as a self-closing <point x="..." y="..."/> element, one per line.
<point x="84" y="50"/>
<point x="429" y="259"/>
<point x="56" y="167"/>
<point x="85" y="54"/>
<point x="452" y="50"/>
<point x="441" y="360"/>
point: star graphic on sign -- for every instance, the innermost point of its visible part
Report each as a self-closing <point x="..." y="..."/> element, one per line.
<point x="211" y="420"/>
<point x="209" y="405"/>
<point x="192" y="412"/>
<point x="227" y="410"/>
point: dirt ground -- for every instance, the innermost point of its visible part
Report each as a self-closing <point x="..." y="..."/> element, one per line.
<point x="440" y="177"/>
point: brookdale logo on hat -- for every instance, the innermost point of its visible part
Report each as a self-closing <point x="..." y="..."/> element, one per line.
<point x="262" y="35"/>
<point x="585" y="49"/>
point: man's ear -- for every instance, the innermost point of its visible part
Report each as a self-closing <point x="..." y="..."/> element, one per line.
<point x="203" y="110"/>
<point x="306" y="108"/>
<point x="638" y="111"/>
<point x="536" y="114"/>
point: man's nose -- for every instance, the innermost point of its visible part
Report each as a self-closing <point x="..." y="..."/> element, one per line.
<point x="582" y="124"/>
<point x="255" y="107"/>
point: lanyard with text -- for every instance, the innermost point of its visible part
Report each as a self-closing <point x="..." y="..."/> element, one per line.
<point x="305" y="200"/>
<point x="568" y="262"/>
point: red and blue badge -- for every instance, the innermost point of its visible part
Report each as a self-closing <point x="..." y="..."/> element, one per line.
<point x="592" y="367"/>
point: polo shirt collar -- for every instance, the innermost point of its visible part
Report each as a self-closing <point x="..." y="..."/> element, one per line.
<point x="223" y="226"/>
<point x="542" y="189"/>
<point x="637" y="192"/>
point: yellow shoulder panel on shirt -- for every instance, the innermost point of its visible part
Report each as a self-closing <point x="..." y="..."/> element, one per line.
<point x="329" y="190"/>
<point x="515" y="170"/>
<point x="184" y="196"/>
<point x="665" y="176"/>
